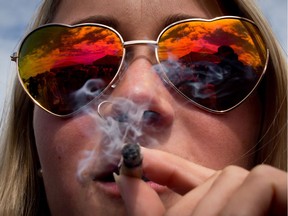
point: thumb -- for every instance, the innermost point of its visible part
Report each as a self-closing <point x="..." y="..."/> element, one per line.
<point x="139" y="198"/>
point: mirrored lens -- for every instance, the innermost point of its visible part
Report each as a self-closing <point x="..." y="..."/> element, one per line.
<point x="216" y="63"/>
<point x="64" y="68"/>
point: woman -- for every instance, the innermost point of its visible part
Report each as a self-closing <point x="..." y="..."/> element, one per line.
<point x="189" y="169"/>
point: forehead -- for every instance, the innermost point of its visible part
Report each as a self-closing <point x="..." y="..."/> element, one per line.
<point x="143" y="14"/>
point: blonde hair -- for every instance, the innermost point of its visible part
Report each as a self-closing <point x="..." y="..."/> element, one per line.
<point x="272" y="145"/>
<point x="21" y="190"/>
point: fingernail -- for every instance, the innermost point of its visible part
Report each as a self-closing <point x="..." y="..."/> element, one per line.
<point x="116" y="177"/>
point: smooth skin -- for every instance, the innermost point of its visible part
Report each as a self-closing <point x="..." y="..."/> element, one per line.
<point x="192" y="143"/>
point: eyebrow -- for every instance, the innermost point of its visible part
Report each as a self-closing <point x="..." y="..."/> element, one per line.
<point x="112" y="22"/>
<point x="177" y="17"/>
<point x="105" y="20"/>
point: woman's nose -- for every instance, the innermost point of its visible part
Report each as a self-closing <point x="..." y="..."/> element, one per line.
<point x="141" y="84"/>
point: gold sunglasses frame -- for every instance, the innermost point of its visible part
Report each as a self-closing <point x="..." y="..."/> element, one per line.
<point x="125" y="44"/>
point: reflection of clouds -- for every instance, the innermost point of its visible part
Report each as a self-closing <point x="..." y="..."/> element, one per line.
<point x="64" y="46"/>
<point x="206" y="37"/>
<point x="64" y="38"/>
<point x="90" y="34"/>
<point x="79" y="34"/>
<point x="239" y="40"/>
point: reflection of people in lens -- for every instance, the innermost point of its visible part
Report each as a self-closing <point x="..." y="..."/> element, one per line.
<point x="236" y="77"/>
<point x="33" y="87"/>
<point x="226" y="52"/>
<point x="229" y="61"/>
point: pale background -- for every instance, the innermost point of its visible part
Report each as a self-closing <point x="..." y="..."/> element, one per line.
<point x="15" y="16"/>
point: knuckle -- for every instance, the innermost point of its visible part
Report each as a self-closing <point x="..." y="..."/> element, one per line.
<point x="268" y="175"/>
<point x="234" y="173"/>
<point x="261" y="170"/>
<point x="233" y="170"/>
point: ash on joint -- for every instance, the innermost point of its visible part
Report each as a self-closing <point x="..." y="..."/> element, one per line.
<point x="131" y="155"/>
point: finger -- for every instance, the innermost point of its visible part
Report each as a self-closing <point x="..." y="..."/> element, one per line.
<point x="139" y="198"/>
<point x="218" y="195"/>
<point x="173" y="171"/>
<point x="191" y="199"/>
<point x="263" y="192"/>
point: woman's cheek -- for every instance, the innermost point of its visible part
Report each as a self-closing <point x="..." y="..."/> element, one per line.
<point x="62" y="143"/>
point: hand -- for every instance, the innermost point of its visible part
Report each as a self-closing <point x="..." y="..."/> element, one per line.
<point x="231" y="191"/>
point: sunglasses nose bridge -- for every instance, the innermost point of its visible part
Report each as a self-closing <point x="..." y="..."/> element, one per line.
<point x="139" y="42"/>
<point x="136" y="49"/>
<point x="138" y="72"/>
<point x="140" y="47"/>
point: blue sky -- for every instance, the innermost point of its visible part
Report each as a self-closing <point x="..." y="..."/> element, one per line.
<point x="15" y="16"/>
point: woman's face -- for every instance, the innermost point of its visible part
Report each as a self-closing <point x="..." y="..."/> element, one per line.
<point x="208" y="139"/>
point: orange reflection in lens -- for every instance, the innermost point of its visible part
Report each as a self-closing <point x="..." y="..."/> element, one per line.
<point x="64" y="68"/>
<point x="57" y="46"/>
<point x="206" y="41"/>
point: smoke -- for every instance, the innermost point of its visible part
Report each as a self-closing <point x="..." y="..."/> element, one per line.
<point x="120" y="121"/>
<point x="219" y="83"/>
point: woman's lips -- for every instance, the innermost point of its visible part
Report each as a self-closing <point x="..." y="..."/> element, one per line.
<point x="112" y="189"/>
